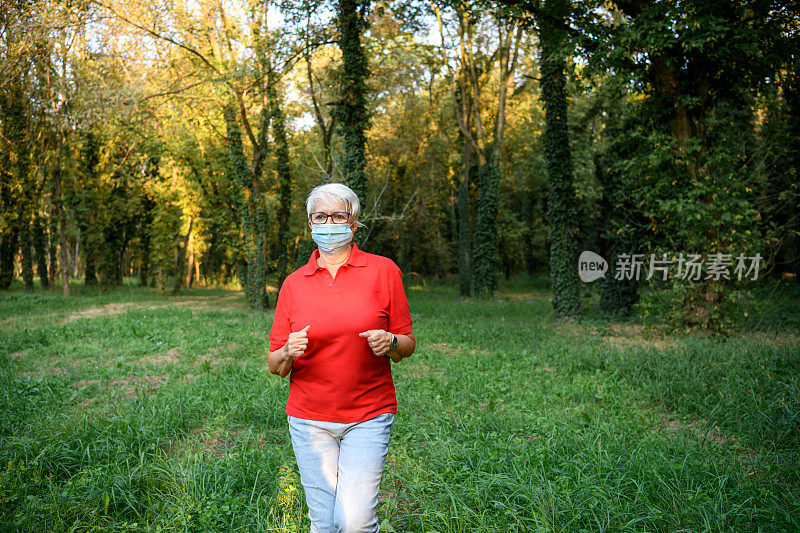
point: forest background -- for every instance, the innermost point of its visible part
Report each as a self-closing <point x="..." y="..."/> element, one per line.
<point x="176" y="142"/>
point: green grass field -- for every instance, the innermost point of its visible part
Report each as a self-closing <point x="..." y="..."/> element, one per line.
<point x="132" y="411"/>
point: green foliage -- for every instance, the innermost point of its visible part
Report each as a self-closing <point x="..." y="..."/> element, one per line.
<point x="698" y="160"/>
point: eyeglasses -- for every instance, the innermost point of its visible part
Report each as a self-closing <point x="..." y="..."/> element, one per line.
<point x="321" y="218"/>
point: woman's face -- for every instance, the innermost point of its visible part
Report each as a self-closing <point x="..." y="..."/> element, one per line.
<point x="329" y="209"/>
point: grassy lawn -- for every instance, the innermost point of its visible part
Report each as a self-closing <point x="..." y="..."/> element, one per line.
<point x="132" y="411"/>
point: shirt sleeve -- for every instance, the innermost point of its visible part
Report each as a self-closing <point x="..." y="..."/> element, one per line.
<point x="281" y="327"/>
<point x="399" y="312"/>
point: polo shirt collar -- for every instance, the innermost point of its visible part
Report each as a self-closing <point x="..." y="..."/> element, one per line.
<point x="357" y="259"/>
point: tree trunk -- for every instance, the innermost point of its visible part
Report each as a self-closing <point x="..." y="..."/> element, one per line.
<point x="484" y="251"/>
<point x="181" y="262"/>
<point x="39" y="244"/>
<point x="284" y="172"/>
<point x="189" y="268"/>
<point x="463" y="213"/>
<point x="52" y="249"/>
<point x="8" y="233"/>
<point x="144" y="260"/>
<point x="618" y="295"/>
<point x="352" y="110"/>
<point x="88" y="225"/>
<point x="8" y="248"/>
<point x="62" y="219"/>
<point x="252" y="267"/>
<point x="15" y="137"/>
<point x="26" y="249"/>
<point x="8" y="223"/>
<point x="90" y="272"/>
<point x="561" y="205"/>
<point x="485" y="262"/>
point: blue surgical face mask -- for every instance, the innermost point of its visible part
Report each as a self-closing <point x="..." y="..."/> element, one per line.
<point x="331" y="237"/>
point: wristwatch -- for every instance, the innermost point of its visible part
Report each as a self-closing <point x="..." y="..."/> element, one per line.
<point x="393" y="347"/>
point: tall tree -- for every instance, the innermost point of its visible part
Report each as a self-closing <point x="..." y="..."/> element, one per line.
<point x="249" y="180"/>
<point x="486" y="264"/>
<point x="562" y="214"/>
<point x="284" y="175"/>
<point x="481" y="151"/>
<point x="351" y="111"/>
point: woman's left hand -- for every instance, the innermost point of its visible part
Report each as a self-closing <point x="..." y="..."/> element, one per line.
<point x="379" y="341"/>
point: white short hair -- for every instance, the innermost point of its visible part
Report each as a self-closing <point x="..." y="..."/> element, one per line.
<point x="332" y="194"/>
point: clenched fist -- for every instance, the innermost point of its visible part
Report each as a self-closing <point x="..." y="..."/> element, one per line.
<point x="379" y="341"/>
<point x="297" y="343"/>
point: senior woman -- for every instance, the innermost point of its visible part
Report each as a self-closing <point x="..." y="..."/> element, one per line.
<point x="339" y="322"/>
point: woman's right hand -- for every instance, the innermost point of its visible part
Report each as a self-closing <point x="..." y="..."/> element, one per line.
<point x="297" y="343"/>
<point x="280" y="361"/>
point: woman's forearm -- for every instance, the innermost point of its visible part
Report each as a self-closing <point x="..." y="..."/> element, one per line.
<point x="278" y="362"/>
<point x="406" y="344"/>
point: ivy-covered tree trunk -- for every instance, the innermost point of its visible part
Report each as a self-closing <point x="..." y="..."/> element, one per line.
<point x="484" y="251"/>
<point x="25" y="209"/>
<point x="486" y="261"/>
<point x="284" y="172"/>
<point x="8" y="221"/>
<point x="8" y="236"/>
<point x="61" y="215"/>
<point x="17" y="159"/>
<point x="87" y="221"/>
<point x="561" y="203"/>
<point x="8" y="248"/>
<point x="252" y="268"/>
<point x="40" y="247"/>
<point x="52" y="250"/>
<point x="117" y="232"/>
<point x="26" y="249"/>
<point x="89" y="252"/>
<point x="618" y="295"/>
<point x="351" y="113"/>
<point x="464" y="119"/>
<point x="464" y="250"/>
<point x="109" y="264"/>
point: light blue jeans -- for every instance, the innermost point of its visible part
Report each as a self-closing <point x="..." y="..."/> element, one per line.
<point x="340" y="468"/>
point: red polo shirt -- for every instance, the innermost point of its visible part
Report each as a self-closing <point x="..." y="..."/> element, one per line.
<point x="338" y="378"/>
